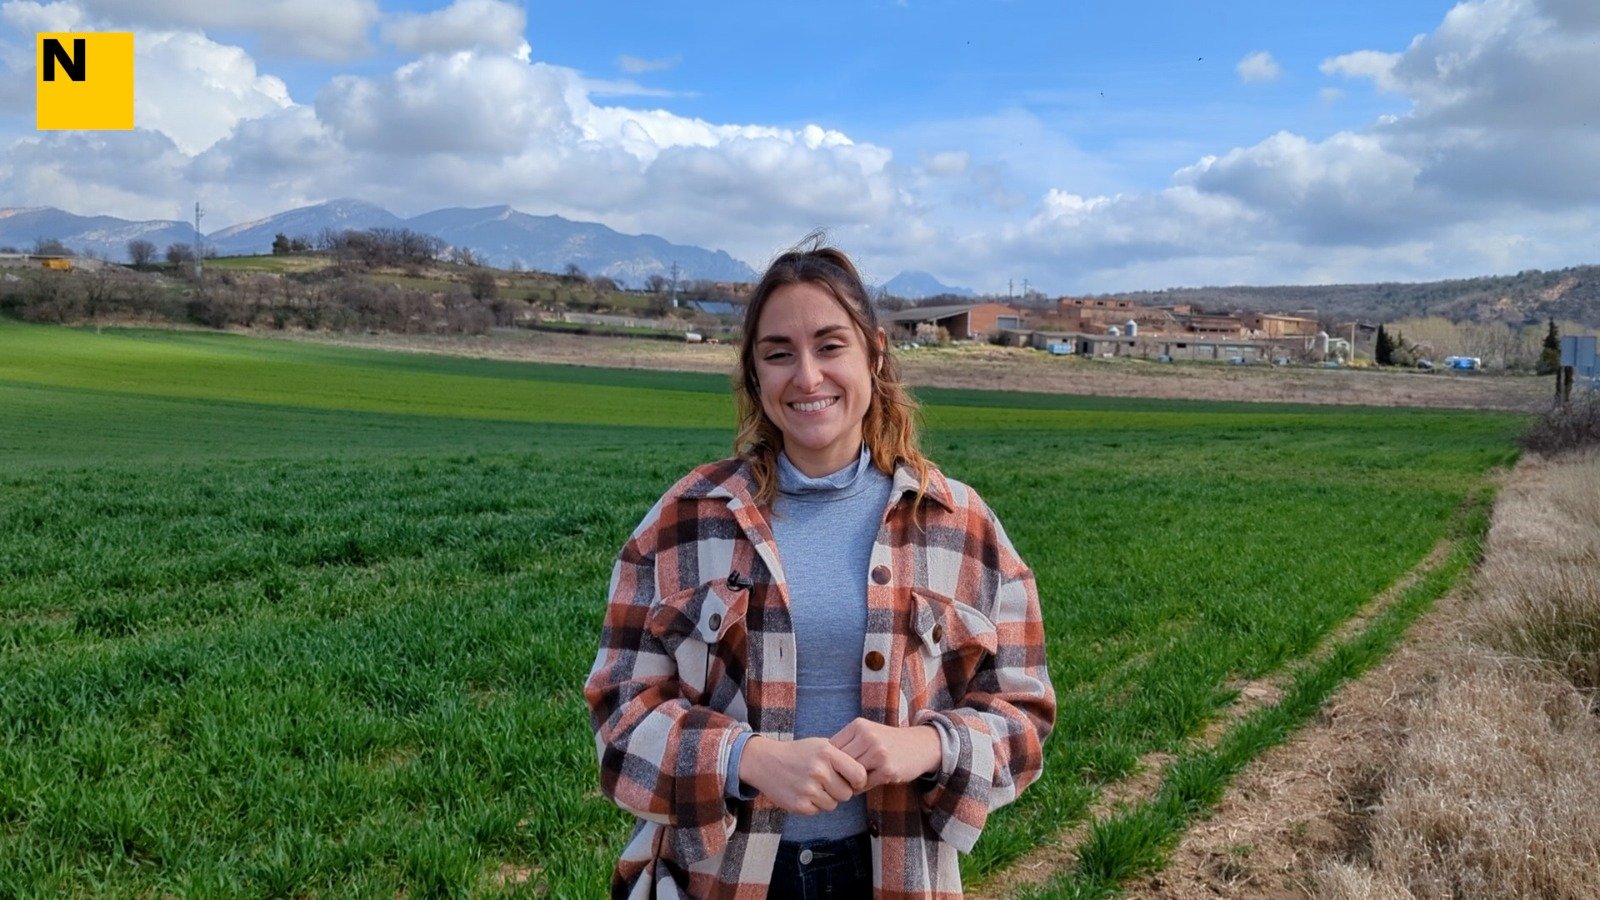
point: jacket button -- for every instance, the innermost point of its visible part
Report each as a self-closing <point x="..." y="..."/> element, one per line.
<point x="873" y="829"/>
<point x="880" y="574"/>
<point x="938" y="633"/>
<point x="716" y="622"/>
<point x="874" y="660"/>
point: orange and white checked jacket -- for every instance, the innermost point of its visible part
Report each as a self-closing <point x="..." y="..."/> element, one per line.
<point x="697" y="646"/>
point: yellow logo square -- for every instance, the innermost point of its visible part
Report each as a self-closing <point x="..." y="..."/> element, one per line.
<point x="85" y="80"/>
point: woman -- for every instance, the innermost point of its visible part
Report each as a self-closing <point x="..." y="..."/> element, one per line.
<point x="822" y="662"/>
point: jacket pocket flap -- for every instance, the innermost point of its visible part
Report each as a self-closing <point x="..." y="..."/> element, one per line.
<point x="943" y="624"/>
<point x="705" y="612"/>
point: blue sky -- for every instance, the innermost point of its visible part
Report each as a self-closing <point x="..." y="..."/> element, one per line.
<point x="1085" y="147"/>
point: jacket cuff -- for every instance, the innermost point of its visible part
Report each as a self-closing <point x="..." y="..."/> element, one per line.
<point x="956" y="802"/>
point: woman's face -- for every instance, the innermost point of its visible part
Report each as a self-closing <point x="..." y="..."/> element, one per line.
<point x="811" y="368"/>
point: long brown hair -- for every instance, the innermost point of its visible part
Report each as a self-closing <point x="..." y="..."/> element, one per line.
<point x="889" y="428"/>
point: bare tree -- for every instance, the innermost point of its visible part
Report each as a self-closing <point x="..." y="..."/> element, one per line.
<point x="51" y="247"/>
<point x="482" y="284"/>
<point x="141" y="252"/>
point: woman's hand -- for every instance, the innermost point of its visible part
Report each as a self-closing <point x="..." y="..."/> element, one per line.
<point x="890" y="755"/>
<point x="806" y="776"/>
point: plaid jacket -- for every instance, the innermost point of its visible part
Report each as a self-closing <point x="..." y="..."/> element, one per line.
<point x="697" y="646"/>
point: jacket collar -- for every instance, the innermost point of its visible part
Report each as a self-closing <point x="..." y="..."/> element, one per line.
<point x="731" y="479"/>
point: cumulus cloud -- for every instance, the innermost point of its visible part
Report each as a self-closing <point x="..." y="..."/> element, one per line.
<point x="195" y="90"/>
<point x="1258" y="67"/>
<point x="320" y="29"/>
<point x="1493" y="159"/>
<point x="1488" y="168"/>
<point x="463" y="25"/>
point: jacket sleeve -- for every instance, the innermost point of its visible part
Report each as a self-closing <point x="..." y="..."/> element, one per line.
<point x="662" y="757"/>
<point x="993" y="742"/>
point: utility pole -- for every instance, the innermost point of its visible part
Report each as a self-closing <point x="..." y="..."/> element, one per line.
<point x="674" y="284"/>
<point x="199" y="250"/>
<point x="1011" y="288"/>
<point x="1024" y="288"/>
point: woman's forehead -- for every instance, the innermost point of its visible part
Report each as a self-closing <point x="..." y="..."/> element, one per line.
<point x="803" y="307"/>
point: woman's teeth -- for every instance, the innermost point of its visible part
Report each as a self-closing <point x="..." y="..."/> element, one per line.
<point x="813" y="407"/>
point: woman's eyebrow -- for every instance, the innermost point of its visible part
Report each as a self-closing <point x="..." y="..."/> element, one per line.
<point x="782" y="339"/>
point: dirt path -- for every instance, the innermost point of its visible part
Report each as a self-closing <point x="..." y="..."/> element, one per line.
<point x="1004" y="368"/>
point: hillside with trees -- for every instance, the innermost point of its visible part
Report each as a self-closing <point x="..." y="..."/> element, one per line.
<point x="1530" y="297"/>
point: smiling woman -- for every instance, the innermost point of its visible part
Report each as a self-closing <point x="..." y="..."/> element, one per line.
<point x="838" y="713"/>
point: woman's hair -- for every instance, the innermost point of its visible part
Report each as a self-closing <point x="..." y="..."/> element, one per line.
<point x="889" y="428"/>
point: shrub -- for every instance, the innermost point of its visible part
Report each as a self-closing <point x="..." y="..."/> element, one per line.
<point x="1566" y="426"/>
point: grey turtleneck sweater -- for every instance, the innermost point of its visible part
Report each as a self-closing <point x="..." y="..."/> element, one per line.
<point x="824" y="528"/>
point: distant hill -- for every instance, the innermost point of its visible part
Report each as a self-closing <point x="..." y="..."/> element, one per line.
<point x="501" y="235"/>
<point x="1527" y="298"/>
<point x="505" y="236"/>
<point x="250" y="238"/>
<point x="104" y="236"/>
<point x="916" y="285"/>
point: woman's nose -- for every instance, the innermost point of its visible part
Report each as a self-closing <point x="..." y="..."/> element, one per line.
<point x="808" y="373"/>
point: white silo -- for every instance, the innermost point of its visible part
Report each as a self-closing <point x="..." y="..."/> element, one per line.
<point x="1114" y="331"/>
<point x="1133" y="328"/>
<point x="1322" y="344"/>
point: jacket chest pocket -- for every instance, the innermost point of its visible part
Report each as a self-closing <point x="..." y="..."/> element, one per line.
<point x="702" y="628"/>
<point x="948" y="642"/>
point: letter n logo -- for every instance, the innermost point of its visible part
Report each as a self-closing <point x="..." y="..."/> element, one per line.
<point x="85" y="81"/>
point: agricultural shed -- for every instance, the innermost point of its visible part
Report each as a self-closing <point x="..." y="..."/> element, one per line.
<point x="971" y="321"/>
<point x="1174" y="346"/>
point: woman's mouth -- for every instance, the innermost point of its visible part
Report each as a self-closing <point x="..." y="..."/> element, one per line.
<point x="815" y="405"/>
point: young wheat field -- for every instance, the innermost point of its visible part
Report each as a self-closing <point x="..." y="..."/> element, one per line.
<point x="283" y="619"/>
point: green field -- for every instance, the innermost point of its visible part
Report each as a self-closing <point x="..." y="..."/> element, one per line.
<point x="287" y="619"/>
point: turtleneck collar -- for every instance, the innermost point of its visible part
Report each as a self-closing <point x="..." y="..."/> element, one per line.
<point x="794" y="483"/>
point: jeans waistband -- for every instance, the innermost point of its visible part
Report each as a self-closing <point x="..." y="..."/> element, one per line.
<point x="807" y="852"/>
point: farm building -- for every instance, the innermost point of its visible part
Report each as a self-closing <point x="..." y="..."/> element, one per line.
<point x="1099" y="314"/>
<point x="972" y="321"/>
<point x="1272" y="325"/>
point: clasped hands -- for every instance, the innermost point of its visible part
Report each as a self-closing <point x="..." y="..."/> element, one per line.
<point x="815" y="775"/>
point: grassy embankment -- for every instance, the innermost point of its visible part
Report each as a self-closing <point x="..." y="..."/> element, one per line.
<point x="285" y="618"/>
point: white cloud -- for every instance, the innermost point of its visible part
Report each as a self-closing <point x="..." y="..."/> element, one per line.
<point x="321" y="29"/>
<point x="1370" y="64"/>
<point x="1330" y="95"/>
<point x="1258" y="67"/>
<point x="463" y="25"/>
<point x="948" y="163"/>
<point x="465" y="103"/>
<point x="634" y="65"/>
<point x="195" y="90"/>
<point x="1489" y="168"/>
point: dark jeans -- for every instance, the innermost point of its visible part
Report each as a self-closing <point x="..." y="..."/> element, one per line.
<point x="839" y="869"/>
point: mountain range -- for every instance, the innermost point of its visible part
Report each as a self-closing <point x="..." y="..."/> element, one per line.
<point x="917" y="285"/>
<point x="500" y="235"/>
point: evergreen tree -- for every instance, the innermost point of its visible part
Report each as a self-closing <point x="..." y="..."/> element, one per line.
<point x="1550" y="356"/>
<point x="1383" y="348"/>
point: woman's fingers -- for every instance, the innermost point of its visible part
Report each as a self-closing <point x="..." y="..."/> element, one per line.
<point x="855" y="775"/>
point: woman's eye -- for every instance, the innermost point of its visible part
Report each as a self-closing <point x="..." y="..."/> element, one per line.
<point x="832" y="347"/>
<point x="773" y="357"/>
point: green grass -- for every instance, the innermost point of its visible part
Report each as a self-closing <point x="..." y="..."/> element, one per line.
<point x="1137" y="840"/>
<point x="278" y="618"/>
